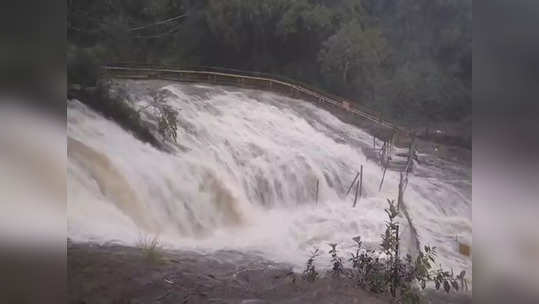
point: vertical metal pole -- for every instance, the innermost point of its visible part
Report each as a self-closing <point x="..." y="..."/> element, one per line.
<point x="395" y="270"/>
<point x="399" y="199"/>
<point x="383" y="176"/>
<point x="352" y="184"/>
<point x="317" y="182"/>
<point x="357" y="190"/>
<point x="360" y="181"/>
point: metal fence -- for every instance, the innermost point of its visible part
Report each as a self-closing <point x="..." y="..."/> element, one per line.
<point x="241" y="78"/>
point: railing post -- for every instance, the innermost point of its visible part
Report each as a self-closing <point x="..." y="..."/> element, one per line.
<point x="400" y="196"/>
<point x="352" y="184"/>
<point x="317" y="182"/>
<point x="355" y="197"/>
<point x="382" y="181"/>
<point x="360" y="181"/>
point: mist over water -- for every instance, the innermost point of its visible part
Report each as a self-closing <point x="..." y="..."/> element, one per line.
<point x="243" y="177"/>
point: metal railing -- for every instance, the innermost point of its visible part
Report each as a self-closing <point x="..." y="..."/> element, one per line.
<point x="241" y="78"/>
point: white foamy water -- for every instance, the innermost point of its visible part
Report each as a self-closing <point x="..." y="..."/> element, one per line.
<point x="243" y="177"/>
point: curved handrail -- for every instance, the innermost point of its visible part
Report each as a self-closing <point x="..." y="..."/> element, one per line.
<point x="239" y="72"/>
<point x="231" y="71"/>
<point x="234" y="73"/>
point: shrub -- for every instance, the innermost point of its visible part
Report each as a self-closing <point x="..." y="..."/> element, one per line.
<point x="116" y="107"/>
<point x="310" y="274"/>
<point x="369" y="270"/>
<point x="384" y="271"/>
<point x="150" y="247"/>
<point x="336" y="261"/>
<point x="167" y="124"/>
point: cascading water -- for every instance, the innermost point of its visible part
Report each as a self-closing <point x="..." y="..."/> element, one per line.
<point x="243" y="177"/>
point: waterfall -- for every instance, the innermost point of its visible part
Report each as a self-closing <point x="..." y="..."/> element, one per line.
<point x="243" y="175"/>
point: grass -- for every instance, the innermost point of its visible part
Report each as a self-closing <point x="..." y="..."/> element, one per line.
<point x="151" y="248"/>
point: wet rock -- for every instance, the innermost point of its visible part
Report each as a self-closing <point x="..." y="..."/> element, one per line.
<point x="254" y="301"/>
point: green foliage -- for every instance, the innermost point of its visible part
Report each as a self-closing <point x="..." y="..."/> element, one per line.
<point x="369" y="269"/>
<point x="386" y="272"/>
<point x="302" y="17"/>
<point x="353" y="53"/>
<point x="389" y="238"/>
<point x="151" y="248"/>
<point x="310" y="274"/>
<point x="168" y="127"/>
<point x="82" y="66"/>
<point x="114" y="104"/>
<point x="116" y="107"/>
<point x="336" y="261"/>
<point x="167" y="121"/>
<point x="409" y="59"/>
<point x="448" y="280"/>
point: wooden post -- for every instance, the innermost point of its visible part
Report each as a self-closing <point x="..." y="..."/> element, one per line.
<point x="395" y="274"/>
<point x="411" y="149"/>
<point x="391" y="142"/>
<point x="352" y="184"/>
<point x="383" y="176"/>
<point x="397" y="243"/>
<point x="317" y="182"/>
<point x="360" y="181"/>
<point x="382" y="154"/>
<point x="400" y="197"/>
<point x="355" y="197"/>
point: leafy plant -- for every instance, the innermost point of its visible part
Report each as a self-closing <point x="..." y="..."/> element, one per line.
<point x="390" y="237"/>
<point x="150" y="247"/>
<point x="168" y="127"/>
<point x="113" y="104"/>
<point x="448" y="280"/>
<point x="410" y="59"/>
<point x="369" y="270"/>
<point x="310" y="274"/>
<point x="167" y="117"/>
<point x="384" y="271"/>
<point x="336" y="261"/>
<point x="400" y="277"/>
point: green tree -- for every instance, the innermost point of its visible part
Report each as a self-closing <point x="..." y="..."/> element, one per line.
<point x="353" y="53"/>
<point x="411" y="59"/>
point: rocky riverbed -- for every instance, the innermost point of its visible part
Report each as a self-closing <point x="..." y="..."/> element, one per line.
<point x="118" y="274"/>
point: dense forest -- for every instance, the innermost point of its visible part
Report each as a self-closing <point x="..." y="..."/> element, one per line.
<point x="409" y="59"/>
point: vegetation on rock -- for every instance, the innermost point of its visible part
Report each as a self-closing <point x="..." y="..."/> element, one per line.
<point x="385" y="272"/>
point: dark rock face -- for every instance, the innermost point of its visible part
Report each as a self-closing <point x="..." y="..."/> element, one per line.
<point x="117" y="274"/>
